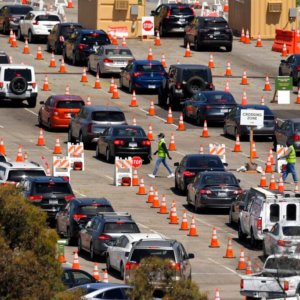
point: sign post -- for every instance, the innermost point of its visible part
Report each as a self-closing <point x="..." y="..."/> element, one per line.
<point x="284" y="86"/>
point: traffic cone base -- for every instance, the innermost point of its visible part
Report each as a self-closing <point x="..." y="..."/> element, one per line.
<point x="184" y="223"/>
<point x="205" y="130"/>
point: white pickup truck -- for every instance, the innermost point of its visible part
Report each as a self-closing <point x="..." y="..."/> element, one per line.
<point x="279" y="278"/>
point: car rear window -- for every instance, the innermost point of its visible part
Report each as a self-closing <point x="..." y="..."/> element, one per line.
<point x="291" y="230"/>
<point x="66" y="31"/>
<point x="118" y="52"/>
<point x="283" y="263"/>
<point x="10" y="74"/>
<point x="217" y="179"/>
<point x="120" y="227"/>
<point x="181" y="10"/>
<point x="18" y="175"/>
<point x="150" y="68"/>
<point x="220" y="99"/>
<point x="215" y="24"/>
<point x="48" y="18"/>
<point x="94" y="208"/>
<point x="139" y="254"/>
<point x="17" y="10"/>
<point x="108" y="116"/>
<point x="95" y="38"/>
<point x="129" y="132"/>
<point x="69" y="104"/>
<point x="52" y="187"/>
<point x="205" y="74"/>
<point x="197" y="162"/>
<point x="4" y="59"/>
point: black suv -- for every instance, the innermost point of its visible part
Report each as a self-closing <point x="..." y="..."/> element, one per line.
<point x="183" y="81"/>
<point x="77" y="213"/>
<point x="209" y="31"/>
<point x="103" y="229"/>
<point x="172" y="17"/>
<point x="50" y="193"/>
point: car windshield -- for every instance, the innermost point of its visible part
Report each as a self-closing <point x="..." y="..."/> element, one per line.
<point x="69" y="104"/>
<point x="219" y="179"/>
<point x="47" y="18"/>
<point x="118" y="52"/>
<point x="17" y="10"/>
<point x="52" y="187"/>
<point x="150" y="68"/>
<point x="283" y="263"/>
<point x="120" y="227"/>
<point x="94" y="208"/>
<point x="108" y="116"/>
<point x="217" y="24"/>
<point x="291" y="230"/>
<point x="181" y="10"/>
<point x="66" y="30"/>
<point x="129" y="132"/>
<point x="139" y="254"/>
<point x="18" y="175"/>
<point x="95" y="38"/>
<point x="203" y="163"/>
<point x="10" y="74"/>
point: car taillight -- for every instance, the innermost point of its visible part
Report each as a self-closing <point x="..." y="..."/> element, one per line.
<point x="137" y="74"/>
<point x="242" y="284"/>
<point x="146" y="143"/>
<point x="193" y="12"/>
<point x="203" y="192"/>
<point x="259" y="224"/>
<point x="176" y="266"/>
<point x="77" y="217"/>
<point x="131" y="266"/>
<point x="35" y="198"/>
<point x="286" y="285"/>
<point x="104" y="237"/>
<point x="33" y="84"/>
<point x="188" y="174"/>
<point x="1" y="84"/>
<point x="66" y="178"/>
<point x="211" y="86"/>
<point x="283" y="243"/>
<point x="61" y="38"/>
<point x="77" y="166"/>
<point x="208" y="106"/>
<point x="106" y="60"/>
<point x="119" y="142"/>
<point x="82" y="46"/>
<point x="168" y="13"/>
<point x="298" y="68"/>
<point x="296" y="137"/>
<point x="69" y="197"/>
<point x="90" y="127"/>
<point x="237" y="192"/>
<point x="178" y="85"/>
<point x="35" y="23"/>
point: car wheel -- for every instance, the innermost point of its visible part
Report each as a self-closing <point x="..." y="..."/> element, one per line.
<point x="31" y="102"/>
<point x="173" y="102"/>
<point x="92" y="252"/>
<point x="122" y="271"/>
<point x="196" y="44"/>
<point x="70" y="240"/>
<point x="131" y="87"/>
<point x="264" y="250"/>
<point x="49" y="124"/>
<point x="97" y="152"/>
<point x="108" y="266"/>
<point x="30" y="37"/>
<point x="19" y="35"/>
<point x="253" y="241"/>
<point x="162" y="98"/>
<point x="188" y="201"/>
<point x="57" y="49"/>
<point x="280" y="72"/>
<point x="195" y="84"/>
<point x="185" y="42"/>
<point x="48" y="48"/>
<point x="176" y="184"/>
<point x="80" y="138"/>
<point x="40" y="123"/>
<point x="108" y="155"/>
<point x="230" y="218"/>
<point x="89" y="67"/>
<point x="70" y="137"/>
<point x="18" y="86"/>
<point x="5" y="28"/>
<point x="199" y="120"/>
<point x="184" y="114"/>
<point x="99" y="71"/>
<point x="228" y="48"/>
<point x="275" y="144"/>
<point x="79" y="245"/>
<point x="225" y="130"/>
<point x="162" y="31"/>
<point x="242" y="236"/>
<point x="196" y="205"/>
<point x="74" y="61"/>
<point x="65" y="54"/>
<point x="121" y="83"/>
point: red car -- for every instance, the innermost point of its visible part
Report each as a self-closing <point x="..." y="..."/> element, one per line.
<point x="57" y="110"/>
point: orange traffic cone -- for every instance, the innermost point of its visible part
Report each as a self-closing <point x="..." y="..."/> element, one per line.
<point x="67" y="91"/>
<point x="181" y="126"/>
<point x="229" y="250"/>
<point x="163" y="206"/>
<point x="115" y="94"/>
<point x="184" y="223"/>
<point x="105" y="276"/>
<point x="151" y="109"/>
<point x="70" y="4"/>
<point x="150" y="195"/>
<point x="135" y="178"/>
<point x="76" y="264"/>
<point x="96" y="274"/>
<point x="11" y="36"/>
<point x="61" y="257"/>
<point x="228" y="71"/>
<point x="112" y="85"/>
<point x="124" y="44"/>
<point x="163" y="60"/>
<point x="226" y="9"/>
<point x="267" y="87"/>
<point x="57" y="147"/>
<point x="14" y="42"/>
<point x="262" y="100"/>
<point x="247" y="37"/>
<point x="39" y="54"/>
<point x="83" y="76"/>
<point x="296" y="188"/>
<point x="173" y="217"/>
<point x="263" y="180"/>
<point x="249" y="267"/>
<point x="141" y="190"/>
<point x="214" y="242"/>
<point x="46" y="84"/>
<point x="172" y="145"/>
<point x="19" y="157"/>
<point x="2" y="147"/>
<point x="62" y="67"/>
<point x="157" y="39"/>
<point x="52" y="63"/>
<point x="88" y="101"/>
<point x="205" y="130"/>
<point x="211" y="63"/>
<point x="97" y="82"/>
<point x="155" y="203"/>
<point x="26" y="47"/>
<point x="280" y="185"/>
<point x="272" y="185"/>
<point x="242" y="264"/>
<point x="227" y="88"/>
<point x="258" y="42"/>
<point x="41" y="141"/>
<point x="133" y="102"/>
<point x="298" y="97"/>
<point x="284" y="51"/>
<point x="114" y="40"/>
<point x="171" y="210"/>
<point x="244" y="98"/>
<point x="187" y="51"/>
<point x="237" y="145"/>
<point x="242" y="37"/>
<point x="268" y="168"/>
<point x="271" y="156"/>
<point x="150" y="54"/>
<point x="201" y="149"/>
<point x="150" y="133"/>
<point x="254" y="153"/>
<point x="170" y="116"/>
<point x="244" y="78"/>
<point x="193" y="229"/>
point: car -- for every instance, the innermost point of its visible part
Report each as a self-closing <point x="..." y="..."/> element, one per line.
<point x="4" y="58"/>
<point x="191" y="164"/>
<point x="208" y="31"/>
<point x="57" y="110"/>
<point x="81" y="43"/>
<point x="182" y="82"/>
<point x="169" y="249"/>
<point x="124" y="141"/>
<point x="109" y="59"/>
<point x="283" y="238"/>
<point x="172" y="17"/>
<point x="59" y="33"/>
<point x="37" y="24"/>
<point x="213" y="189"/>
<point x="103" y="228"/>
<point x="14" y="172"/>
<point x="288" y="132"/>
<point x="73" y="277"/>
<point x="117" y="252"/>
<point x="236" y="207"/>
<point x="291" y="67"/>
<point x="18" y="83"/>
<point x="233" y="127"/>
<point x="49" y="193"/>
<point x="142" y="75"/>
<point x="92" y="121"/>
<point x="77" y="213"/>
<point x="104" y="290"/>
<point x="10" y="16"/>
<point x="209" y="106"/>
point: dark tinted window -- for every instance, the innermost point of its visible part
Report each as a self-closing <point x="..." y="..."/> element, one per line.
<point x="95" y="38"/>
<point x="19" y="10"/>
<point x="120" y="227"/>
<point x="220" y="99"/>
<point x="52" y="187"/>
<point x="197" y="162"/>
<point x="94" y="208"/>
<point x="112" y="294"/>
<point x="118" y="52"/>
<point x="12" y="73"/>
<point x="215" y="24"/>
<point x="69" y="104"/>
<point x="291" y="212"/>
<point x="181" y="10"/>
<point x="66" y="31"/>
<point x="219" y="179"/>
<point x="47" y="18"/>
<point x="139" y="254"/>
<point x="274" y="212"/>
<point x="4" y="59"/>
<point x="18" y="175"/>
<point x="150" y="68"/>
<point x="128" y="132"/>
<point x="291" y="230"/>
<point x="109" y="116"/>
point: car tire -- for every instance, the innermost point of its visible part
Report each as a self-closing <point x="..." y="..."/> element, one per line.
<point x="40" y="123"/>
<point x="70" y="137"/>
<point x="264" y="250"/>
<point x="196" y="206"/>
<point x="19" y="35"/>
<point x="184" y="115"/>
<point x="182" y="189"/>
<point x="280" y="72"/>
<point x="162" y="99"/>
<point x="185" y="42"/>
<point x="122" y="271"/>
<point x="18" y="85"/>
<point x="99" y="71"/>
<point x="275" y="143"/>
<point x="225" y="130"/>
<point x="79" y="246"/>
<point x="57" y="49"/>
<point x="230" y="218"/>
<point x="31" y="102"/>
<point x="131" y="87"/>
<point x="121" y="83"/>
<point x="30" y="37"/>
<point x="93" y="256"/>
<point x="48" y="48"/>
<point x="199" y="120"/>
<point x="49" y="124"/>
<point x="64" y="54"/>
<point x="173" y="102"/>
<point x="97" y="152"/>
<point x="176" y="185"/>
<point x="74" y="61"/>
<point x="108" y="266"/>
<point x="253" y="241"/>
<point x="89" y="67"/>
<point x="196" y="44"/>
<point x="241" y="236"/>
<point x="5" y="28"/>
<point x="70" y="240"/>
<point x="228" y="48"/>
<point x="188" y="200"/>
<point x="108" y="156"/>
<point x="195" y="84"/>
<point x="162" y="31"/>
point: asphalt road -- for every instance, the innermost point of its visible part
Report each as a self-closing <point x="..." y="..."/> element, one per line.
<point x="18" y="125"/>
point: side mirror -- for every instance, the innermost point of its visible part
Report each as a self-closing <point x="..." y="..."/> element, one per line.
<point x="191" y="255"/>
<point x="42" y="102"/>
<point x="176" y="164"/>
<point x="283" y="61"/>
<point x="266" y="230"/>
<point x="122" y="69"/>
<point x="88" y="225"/>
<point x="225" y="164"/>
<point x="239" y="180"/>
<point x="126" y="254"/>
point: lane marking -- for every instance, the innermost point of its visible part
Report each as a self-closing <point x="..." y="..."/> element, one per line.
<point x="225" y="267"/>
<point x="1" y="126"/>
<point x="77" y="192"/>
<point x="152" y="230"/>
<point x="109" y="177"/>
<point x="32" y="112"/>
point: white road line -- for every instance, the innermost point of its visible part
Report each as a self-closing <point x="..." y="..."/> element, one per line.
<point x="157" y="117"/>
<point x="218" y="273"/>
<point x="152" y="230"/>
<point x="109" y="177"/>
<point x="34" y="113"/>
<point x="77" y="192"/>
<point x="1" y="126"/>
<point x="225" y="267"/>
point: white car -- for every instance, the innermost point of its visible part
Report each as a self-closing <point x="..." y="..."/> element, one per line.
<point x="117" y="253"/>
<point x="37" y="24"/>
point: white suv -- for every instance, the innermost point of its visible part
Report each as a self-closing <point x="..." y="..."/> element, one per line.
<point x="37" y="24"/>
<point x="17" y="82"/>
<point x="14" y="172"/>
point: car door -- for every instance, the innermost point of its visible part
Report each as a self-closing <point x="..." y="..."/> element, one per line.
<point x="64" y="219"/>
<point x="271" y="239"/>
<point x="186" y="265"/>
<point x="85" y="235"/>
<point x="193" y="188"/>
<point x="69" y="45"/>
<point x="103" y="140"/>
<point x="126" y="75"/>
<point x="246" y="213"/>
<point x="238" y="206"/>
<point x="52" y="36"/>
<point x="77" y="122"/>
<point x="23" y="26"/>
<point x="47" y="110"/>
<point x="117" y="252"/>
<point x="155" y="14"/>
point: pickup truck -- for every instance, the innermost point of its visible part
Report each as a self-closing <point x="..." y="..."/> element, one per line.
<point x="279" y="278"/>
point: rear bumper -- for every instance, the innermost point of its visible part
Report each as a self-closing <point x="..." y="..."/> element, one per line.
<point x="112" y="69"/>
<point x="60" y="123"/>
<point x="215" y="42"/>
<point x="265" y="294"/>
<point x="216" y="202"/>
<point x="147" y="84"/>
<point x="8" y="95"/>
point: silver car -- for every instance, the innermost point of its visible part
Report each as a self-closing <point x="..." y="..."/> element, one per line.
<point x="109" y="59"/>
<point x="282" y="238"/>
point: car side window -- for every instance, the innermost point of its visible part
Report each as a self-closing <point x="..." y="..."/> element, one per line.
<point x="275" y="229"/>
<point x="47" y="103"/>
<point x="80" y="278"/>
<point x="119" y="242"/>
<point x="111" y="294"/>
<point x="28" y="16"/>
<point x="183" y="162"/>
<point x="274" y="212"/>
<point x="290" y="59"/>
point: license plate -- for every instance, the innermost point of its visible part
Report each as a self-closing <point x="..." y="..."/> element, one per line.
<point x="53" y="201"/>
<point x="224" y="110"/>
<point x="181" y="20"/>
<point x="151" y="86"/>
<point x="133" y="145"/>
<point x="120" y="62"/>
<point x="217" y="32"/>
<point x="221" y="194"/>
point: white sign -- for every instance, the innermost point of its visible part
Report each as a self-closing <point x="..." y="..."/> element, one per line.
<point x="284" y="97"/>
<point x="252" y="117"/>
<point x="147" y="25"/>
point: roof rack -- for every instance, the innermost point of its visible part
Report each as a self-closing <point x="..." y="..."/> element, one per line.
<point x="114" y="214"/>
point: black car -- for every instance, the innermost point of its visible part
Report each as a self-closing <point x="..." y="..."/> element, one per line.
<point x="49" y="193"/>
<point x="72" y="277"/>
<point x="172" y="17"/>
<point x="102" y="229"/>
<point x="82" y="43"/>
<point x="233" y="127"/>
<point x="10" y="16"/>
<point x="291" y="67"/>
<point x="77" y="213"/>
<point x="4" y="58"/>
<point x="124" y="141"/>
<point x="59" y="33"/>
<point x="213" y="189"/>
<point x="209" y="31"/>
<point x="183" y="81"/>
<point x="209" y="106"/>
<point x="191" y="165"/>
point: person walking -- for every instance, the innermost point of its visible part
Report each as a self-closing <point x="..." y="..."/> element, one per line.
<point x="291" y="161"/>
<point x="162" y="153"/>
